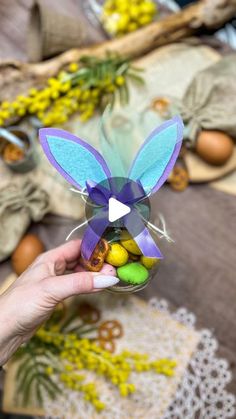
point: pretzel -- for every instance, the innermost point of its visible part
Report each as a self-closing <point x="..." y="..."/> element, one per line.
<point x="88" y="313"/>
<point x="110" y="329"/>
<point x="107" y="345"/>
<point x="97" y="259"/>
<point x="179" y="179"/>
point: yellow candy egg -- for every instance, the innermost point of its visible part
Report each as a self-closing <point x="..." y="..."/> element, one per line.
<point x="117" y="255"/>
<point x="130" y="244"/>
<point x="149" y="262"/>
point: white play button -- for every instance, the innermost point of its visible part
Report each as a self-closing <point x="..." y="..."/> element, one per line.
<point x="117" y="210"/>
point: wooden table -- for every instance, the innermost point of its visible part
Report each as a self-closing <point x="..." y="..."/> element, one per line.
<point x="199" y="271"/>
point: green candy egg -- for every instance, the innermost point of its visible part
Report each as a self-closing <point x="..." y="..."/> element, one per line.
<point x="133" y="273"/>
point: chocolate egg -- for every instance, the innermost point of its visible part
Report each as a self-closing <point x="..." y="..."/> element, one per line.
<point x="26" y="252"/>
<point x="214" y="147"/>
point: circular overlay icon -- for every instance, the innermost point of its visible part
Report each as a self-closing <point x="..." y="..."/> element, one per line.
<point x="117" y="202"/>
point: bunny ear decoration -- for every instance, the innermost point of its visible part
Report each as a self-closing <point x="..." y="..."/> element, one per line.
<point x="74" y="159"/>
<point x="157" y="156"/>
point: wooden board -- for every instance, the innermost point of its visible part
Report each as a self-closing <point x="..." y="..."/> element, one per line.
<point x="7" y="282"/>
<point x="226" y="184"/>
<point x="201" y="172"/>
<point x="178" y="342"/>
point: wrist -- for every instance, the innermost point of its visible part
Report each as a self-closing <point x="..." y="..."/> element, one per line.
<point x="9" y="339"/>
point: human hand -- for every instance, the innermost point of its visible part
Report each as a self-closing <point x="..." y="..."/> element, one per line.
<point x="29" y="301"/>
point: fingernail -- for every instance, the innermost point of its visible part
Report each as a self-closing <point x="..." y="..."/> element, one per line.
<point x="104" y="281"/>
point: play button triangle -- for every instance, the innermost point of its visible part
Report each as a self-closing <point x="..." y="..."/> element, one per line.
<point x="117" y="210"/>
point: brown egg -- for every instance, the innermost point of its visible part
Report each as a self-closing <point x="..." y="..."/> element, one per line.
<point x="26" y="252"/>
<point x="214" y="147"/>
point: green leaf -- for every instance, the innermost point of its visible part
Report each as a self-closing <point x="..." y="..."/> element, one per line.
<point x="28" y="388"/>
<point x="112" y="100"/>
<point x="25" y="378"/>
<point x="126" y="90"/>
<point x="124" y="94"/>
<point x="138" y="69"/>
<point x="43" y="365"/>
<point x="23" y="365"/>
<point x="53" y="384"/>
<point x="136" y="78"/>
<point x="121" y="95"/>
<point x="38" y="393"/>
<point x="50" y="392"/>
<point x="69" y="319"/>
<point x="53" y="358"/>
<point x="122" y="69"/>
<point x="20" y="352"/>
<point x="51" y="388"/>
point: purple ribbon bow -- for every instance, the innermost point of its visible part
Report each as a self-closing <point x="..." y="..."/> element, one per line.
<point x="130" y="194"/>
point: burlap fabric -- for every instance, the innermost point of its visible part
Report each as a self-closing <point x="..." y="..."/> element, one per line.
<point x="210" y="100"/>
<point x="19" y="206"/>
<point x="52" y="31"/>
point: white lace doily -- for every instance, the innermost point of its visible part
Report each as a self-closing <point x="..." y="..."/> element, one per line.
<point x="198" y="389"/>
<point x="201" y="393"/>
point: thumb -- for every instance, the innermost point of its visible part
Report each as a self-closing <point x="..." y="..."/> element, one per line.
<point x="64" y="286"/>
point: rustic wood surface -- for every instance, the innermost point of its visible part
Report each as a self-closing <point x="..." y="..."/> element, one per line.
<point x="199" y="271"/>
<point x="17" y="77"/>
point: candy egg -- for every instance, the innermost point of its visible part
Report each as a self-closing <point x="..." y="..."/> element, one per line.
<point x="117" y="255"/>
<point x="149" y="262"/>
<point x="133" y="273"/>
<point x="130" y="244"/>
<point x="214" y="147"/>
<point x="26" y="252"/>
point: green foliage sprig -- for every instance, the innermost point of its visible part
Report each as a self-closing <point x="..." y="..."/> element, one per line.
<point x="56" y="357"/>
<point x="83" y="87"/>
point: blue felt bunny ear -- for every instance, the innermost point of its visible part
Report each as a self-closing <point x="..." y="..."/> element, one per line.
<point x="157" y="156"/>
<point x="75" y="160"/>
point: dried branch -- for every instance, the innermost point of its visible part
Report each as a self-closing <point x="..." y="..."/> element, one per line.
<point x="17" y="77"/>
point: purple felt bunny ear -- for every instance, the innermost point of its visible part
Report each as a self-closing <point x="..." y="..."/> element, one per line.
<point x="158" y="154"/>
<point x="77" y="161"/>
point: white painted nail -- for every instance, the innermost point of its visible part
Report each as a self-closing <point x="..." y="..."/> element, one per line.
<point x="104" y="281"/>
